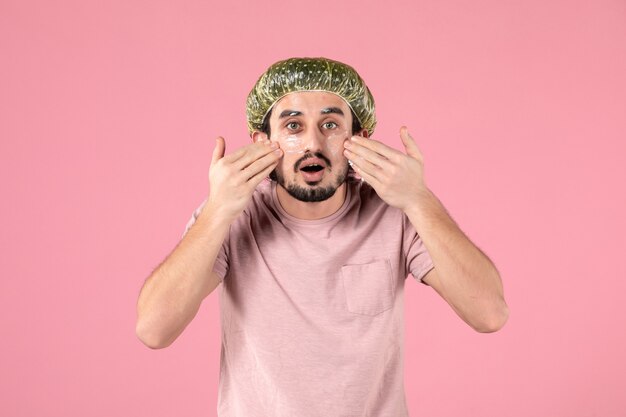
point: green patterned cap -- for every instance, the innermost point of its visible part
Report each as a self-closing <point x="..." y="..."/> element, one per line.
<point x="310" y="74"/>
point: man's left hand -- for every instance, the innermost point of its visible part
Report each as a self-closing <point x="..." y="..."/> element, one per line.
<point x="396" y="177"/>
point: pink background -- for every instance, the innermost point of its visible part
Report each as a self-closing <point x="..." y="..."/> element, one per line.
<point x="108" y="115"/>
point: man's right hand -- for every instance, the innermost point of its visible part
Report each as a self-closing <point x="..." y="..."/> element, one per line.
<point x="234" y="177"/>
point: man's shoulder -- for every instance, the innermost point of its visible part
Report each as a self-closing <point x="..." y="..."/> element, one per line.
<point x="264" y="191"/>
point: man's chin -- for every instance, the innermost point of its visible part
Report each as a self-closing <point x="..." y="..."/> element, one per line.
<point x="308" y="192"/>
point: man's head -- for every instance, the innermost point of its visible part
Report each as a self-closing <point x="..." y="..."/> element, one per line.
<point x="310" y="106"/>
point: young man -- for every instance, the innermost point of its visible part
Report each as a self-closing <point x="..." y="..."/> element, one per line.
<point x="313" y="261"/>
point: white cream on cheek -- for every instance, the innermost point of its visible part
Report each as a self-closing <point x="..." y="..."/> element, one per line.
<point x="297" y="143"/>
<point x="291" y="144"/>
<point x="335" y="141"/>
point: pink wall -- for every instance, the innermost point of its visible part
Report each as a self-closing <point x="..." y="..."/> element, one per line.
<point x="108" y="114"/>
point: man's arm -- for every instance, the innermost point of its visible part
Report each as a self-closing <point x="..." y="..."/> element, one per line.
<point x="172" y="294"/>
<point x="463" y="275"/>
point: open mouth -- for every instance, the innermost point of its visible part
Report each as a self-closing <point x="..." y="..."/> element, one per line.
<point x="312" y="168"/>
<point x="312" y="173"/>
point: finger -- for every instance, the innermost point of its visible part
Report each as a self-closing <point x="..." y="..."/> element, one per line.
<point x="261" y="164"/>
<point x="377" y="147"/>
<point x="255" y="152"/>
<point x="356" y="151"/>
<point x="256" y="179"/>
<point x="365" y="176"/>
<point x="409" y="143"/>
<point x="236" y="155"/>
<point x="366" y="166"/>
<point x="218" y="150"/>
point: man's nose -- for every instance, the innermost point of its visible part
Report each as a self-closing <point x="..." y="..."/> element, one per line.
<point x="313" y="140"/>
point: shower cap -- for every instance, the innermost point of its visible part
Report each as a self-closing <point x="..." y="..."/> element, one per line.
<point x="310" y="74"/>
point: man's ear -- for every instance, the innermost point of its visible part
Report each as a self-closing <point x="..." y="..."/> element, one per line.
<point x="257" y="135"/>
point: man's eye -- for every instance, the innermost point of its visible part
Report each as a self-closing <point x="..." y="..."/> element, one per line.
<point x="330" y="125"/>
<point x="292" y="125"/>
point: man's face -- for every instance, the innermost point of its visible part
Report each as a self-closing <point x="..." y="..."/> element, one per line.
<point x="311" y="127"/>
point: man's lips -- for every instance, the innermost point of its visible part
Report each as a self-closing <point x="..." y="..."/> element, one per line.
<point x="312" y="161"/>
<point x="313" y="176"/>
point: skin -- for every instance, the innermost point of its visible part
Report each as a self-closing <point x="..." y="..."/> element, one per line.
<point x="314" y="129"/>
<point x="463" y="275"/>
<point x="172" y="294"/>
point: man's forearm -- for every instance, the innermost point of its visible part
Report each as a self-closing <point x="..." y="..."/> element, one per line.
<point x="468" y="280"/>
<point x="171" y="296"/>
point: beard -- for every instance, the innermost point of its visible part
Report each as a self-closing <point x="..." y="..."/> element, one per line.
<point x="310" y="194"/>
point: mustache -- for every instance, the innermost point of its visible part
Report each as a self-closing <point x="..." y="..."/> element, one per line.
<point x="309" y="156"/>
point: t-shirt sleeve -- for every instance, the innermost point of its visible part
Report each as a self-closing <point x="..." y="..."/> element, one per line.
<point x="418" y="260"/>
<point x="221" y="262"/>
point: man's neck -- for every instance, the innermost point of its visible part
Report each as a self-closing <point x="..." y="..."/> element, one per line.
<point x="314" y="210"/>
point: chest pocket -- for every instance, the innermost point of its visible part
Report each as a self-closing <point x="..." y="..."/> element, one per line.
<point x="368" y="287"/>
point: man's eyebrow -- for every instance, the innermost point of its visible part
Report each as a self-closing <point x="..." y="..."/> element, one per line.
<point x="332" y="110"/>
<point x="328" y="110"/>
<point x="287" y="113"/>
